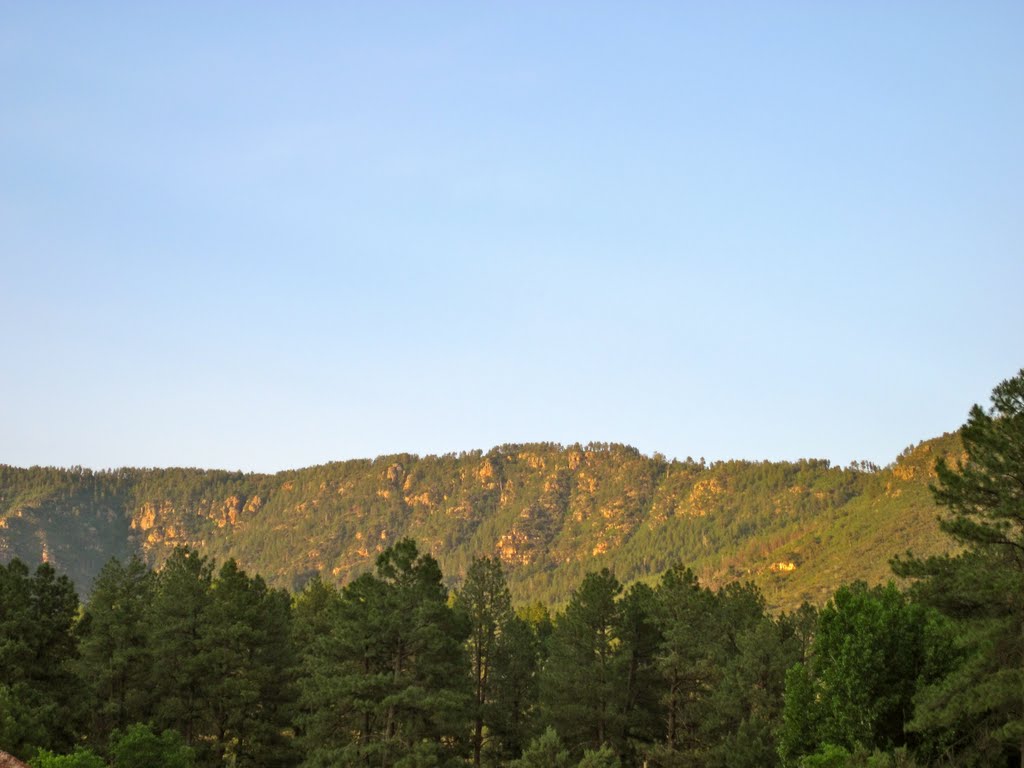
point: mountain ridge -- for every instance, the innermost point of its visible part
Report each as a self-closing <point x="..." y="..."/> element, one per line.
<point x="549" y="512"/>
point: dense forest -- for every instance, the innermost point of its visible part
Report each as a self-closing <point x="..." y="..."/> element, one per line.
<point x="549" y="513"/>
<point x="198" y="665"/>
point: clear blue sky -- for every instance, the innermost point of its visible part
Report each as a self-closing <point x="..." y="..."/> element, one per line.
<point x="259" y="235"/>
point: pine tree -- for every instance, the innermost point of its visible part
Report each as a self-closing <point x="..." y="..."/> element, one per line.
<point x="390" y="684"/>
<point x="546" y="751"/>
<point x="429" y="698"/>
<point x="115" y="659"/>
<point x="38" y="690"/>
<point x="745" y="708"/>
<point x="183" y="670"/>
<point x="314" y="612"/>
<point x="600" y="758"/>
<point x="248" y="642"/>
<point x="585" y="679"/>
<point x="486" y="602"/>
<point x="686" y="662"/>
<point x="514" y="689"/>
<point x="982" y="588"/>
<point x="641" y="637"/>
<point x="343" y="674"/>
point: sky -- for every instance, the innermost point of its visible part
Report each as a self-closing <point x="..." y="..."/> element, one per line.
<point x="264" y="235"/>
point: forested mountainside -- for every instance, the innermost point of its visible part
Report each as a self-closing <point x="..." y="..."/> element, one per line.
<point x="550" y="513"/>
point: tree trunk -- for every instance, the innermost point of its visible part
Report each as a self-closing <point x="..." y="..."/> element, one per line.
<point x="478" y="733"/>
<point x="670" y="737"/>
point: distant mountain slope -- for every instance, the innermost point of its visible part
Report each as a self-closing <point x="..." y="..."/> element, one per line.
<point x="551" y="513"/>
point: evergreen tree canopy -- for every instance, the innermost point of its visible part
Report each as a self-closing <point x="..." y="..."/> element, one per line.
<point x="183" y="670"/>
<point x="487" y="603"/>
<point x="114" y="652"/>
<point x="514" y="689"/>
<point x="545" y="751"/>
<point x="38" y="690"/>
<point x="584" y="684"/>
<point x="250" y="694"/>
<point x="390" y="683"/>
<point x="982" y="701"/>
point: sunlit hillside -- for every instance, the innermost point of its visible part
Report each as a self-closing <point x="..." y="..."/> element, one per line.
<point x="550" y="513"/>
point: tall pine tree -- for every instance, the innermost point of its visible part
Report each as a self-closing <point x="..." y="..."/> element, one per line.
<point x="247" y="634"/>
<point x="390" y="684"/>
<point x="38" y="690"/>
<point x="115" y="658"/>
<point x="982" y="588"/>
<point x="183" y="657"/>
<point x="486" y="602"/>
<point x="585" y="681"/>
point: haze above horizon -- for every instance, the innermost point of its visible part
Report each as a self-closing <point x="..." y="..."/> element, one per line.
<point x="237" y="236"/>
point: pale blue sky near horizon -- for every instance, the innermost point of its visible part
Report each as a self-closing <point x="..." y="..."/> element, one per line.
<point x="251" y="236"/>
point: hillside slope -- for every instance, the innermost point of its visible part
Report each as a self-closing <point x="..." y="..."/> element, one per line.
<point x="551" y="513"/>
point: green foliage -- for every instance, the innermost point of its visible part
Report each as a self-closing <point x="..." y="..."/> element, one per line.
<point x="977" y="712"/>
<point x="138" y="746"/>
<point x="745" y="708"/>
<point x="832" y="756"/>
<point x="80" y="758"/>
<point x="600" y="758"/>
<point x="585" y="678"/>
<point x="514" y="688"/>
<point x="545" y="751"/>
<point x="208" y="658"/>
<point x="384" y="675"/>
<point x="313" y="612"/>
<point x="984" y="494"/>
<point x="487" y="603"/>
<point x="641" y="637"/>
<point x="114" y="655"/>
<point x="182" y="657"/>
<point x="871" y="651"/>
<point x="673" y="676"/>
<point x="38" y="690"/>
<point x="801" y="719"/>
<point x="390" y="682"/>
<point x="685" y="661"/>
<point x="248" y="639"/>
<point x="828" y="756"/>
<point x="722" y="662"/>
